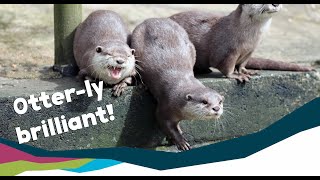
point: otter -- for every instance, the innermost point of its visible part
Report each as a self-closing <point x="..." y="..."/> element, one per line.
<point x="227" y="42"/>
<point x="102" y="52"/>
<point x="167" y="57"/>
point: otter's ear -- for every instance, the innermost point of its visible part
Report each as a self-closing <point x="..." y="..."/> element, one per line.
<point x="133" y="51"/>
<point x="189" y="97"/>
<point x="98" y="49"/>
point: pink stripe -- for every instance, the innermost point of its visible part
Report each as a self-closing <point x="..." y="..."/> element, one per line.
<point x="9" y="154"/>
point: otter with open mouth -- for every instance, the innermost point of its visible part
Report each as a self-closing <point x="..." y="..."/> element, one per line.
<point x="101" y="49"/>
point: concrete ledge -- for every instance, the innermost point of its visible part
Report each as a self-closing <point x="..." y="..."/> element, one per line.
<point x="250" y="108"/>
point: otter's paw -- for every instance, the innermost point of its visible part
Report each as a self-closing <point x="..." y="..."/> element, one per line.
<point x="118" y="89"/>
<point x="249" y="72"/>
<point x="242" y="78"/>
<point x="183" y="145"/>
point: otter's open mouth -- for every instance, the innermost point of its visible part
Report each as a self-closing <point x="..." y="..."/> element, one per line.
<point x="115" y="72"/>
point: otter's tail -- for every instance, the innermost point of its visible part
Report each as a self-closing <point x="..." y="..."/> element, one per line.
<point x="268" y="64"/>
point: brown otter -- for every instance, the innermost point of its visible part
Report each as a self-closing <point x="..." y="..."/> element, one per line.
<point x="102" y="52"/>
<point x="227" y="42"/>
<point x="167" y="58"/>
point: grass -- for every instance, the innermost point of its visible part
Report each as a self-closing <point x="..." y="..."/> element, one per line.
<point x="27" y="41"/>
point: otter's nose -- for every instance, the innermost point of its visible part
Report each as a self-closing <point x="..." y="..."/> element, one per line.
<point x="275" y="5"/>
<point x="120" y="61"/>
<point x="216" y="108"/>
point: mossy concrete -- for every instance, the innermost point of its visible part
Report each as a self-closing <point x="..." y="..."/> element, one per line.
<point x="249" y="108"/>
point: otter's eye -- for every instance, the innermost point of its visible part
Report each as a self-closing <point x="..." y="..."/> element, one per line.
<point x="98" y="49"/>
<point x="220" y="102"/>
<point x="204" y="102"/>
<point x="133" y="51"/>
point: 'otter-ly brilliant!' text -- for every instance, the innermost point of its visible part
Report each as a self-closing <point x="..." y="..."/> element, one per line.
<point x="59" y="125"/>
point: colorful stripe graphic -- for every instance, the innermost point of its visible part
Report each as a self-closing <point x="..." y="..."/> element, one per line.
<point x="95" y="165"/>
<point x="302" y="119"/>
<point x="14" y="168"/>
<point x="9" y="154"/>
<point x="13" y="162"/>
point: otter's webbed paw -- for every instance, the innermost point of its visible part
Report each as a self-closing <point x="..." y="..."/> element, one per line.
<point x="118" y="89"/>
<point x="180" y="142"/>
<point x="183" y="145"/>
<point x="242" y="78"/>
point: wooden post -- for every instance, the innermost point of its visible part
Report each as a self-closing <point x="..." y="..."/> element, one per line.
<point x="66" y="18"/>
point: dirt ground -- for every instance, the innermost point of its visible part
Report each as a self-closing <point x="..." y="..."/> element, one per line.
<point x="27" y="42"/>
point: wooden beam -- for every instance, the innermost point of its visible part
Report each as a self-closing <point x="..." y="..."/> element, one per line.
<point x="66" y="18"/>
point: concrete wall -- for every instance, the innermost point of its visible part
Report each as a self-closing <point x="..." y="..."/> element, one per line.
<point x="249" y="108"/>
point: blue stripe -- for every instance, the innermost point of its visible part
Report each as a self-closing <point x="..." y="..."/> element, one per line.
<point x="95" y="165"/>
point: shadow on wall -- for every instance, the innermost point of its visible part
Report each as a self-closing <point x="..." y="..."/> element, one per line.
<point x="141" y="129"/>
